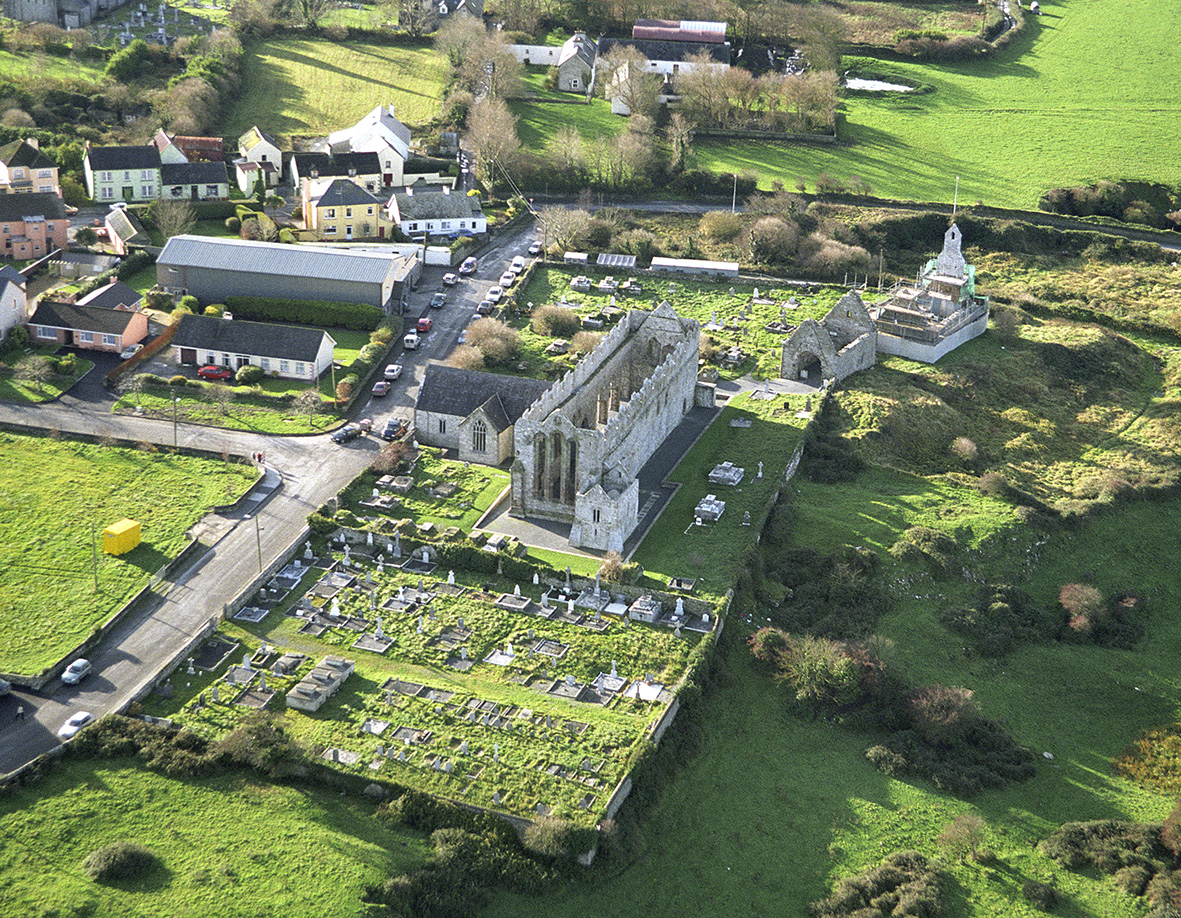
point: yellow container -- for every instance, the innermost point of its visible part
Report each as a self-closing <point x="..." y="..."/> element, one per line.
<point x="119" y="538"/>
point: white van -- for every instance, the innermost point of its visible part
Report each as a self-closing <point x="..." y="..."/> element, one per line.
<point x="518" y="265"/>
<point x="410" y="342"/>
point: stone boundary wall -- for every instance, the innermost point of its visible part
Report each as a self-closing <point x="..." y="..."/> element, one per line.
<point x="930" y="353"/>
<point x="736" y="134"/>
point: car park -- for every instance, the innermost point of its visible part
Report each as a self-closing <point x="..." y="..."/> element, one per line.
<point x="393" y="371"/>
<point x="76" y="671"/>
<point x="468" y="267"/>
<point x="76" y="722"/>
<point x="438" y="300"/>
<point x="450" y="280"/>
<point x="535" y="247"/>
<point x="518" y="265"/>
<point x="494" y="294"/>
<point x="424" y="325"/>
<point x="346" y="434"/>
<point x="381" y="388"/>
<point x="507" y="279"/>
<point x="128" y="352"/>
<point x="215" y="372"/>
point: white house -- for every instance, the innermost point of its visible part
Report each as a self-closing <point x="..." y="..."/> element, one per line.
<point x="421" y="209"/>
<point x="288" y="351"/>
<point x="14" y="305"/>
<point x="128" y="174"/>
<point x="378" y="132"/>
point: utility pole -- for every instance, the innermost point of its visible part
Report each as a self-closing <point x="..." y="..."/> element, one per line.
<point x="175" y="403"/>
<point x="734" y="197"/>
<point x="94" y="555"/>
<point x="257" y="540"/>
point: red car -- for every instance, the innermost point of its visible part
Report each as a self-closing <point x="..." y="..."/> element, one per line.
<point x="215" y="372"/>
<point x="424" y="325"/>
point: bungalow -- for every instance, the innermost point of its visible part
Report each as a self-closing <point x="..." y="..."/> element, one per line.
<point x="421" y="210"/>
<point x="127" y="174"/>
<point x="14" y="304"/>
<point x="24" y="168"/>
<point x="90" y="327"/>
<point x="378" y="132"/>
<point x="124" y="231"/>
<point x="194" y="181"/>
<point x="288" y="351"/>
<point x="335" y="208"/>
<point x="472" y="412"/>
<point x="32" y="225"/>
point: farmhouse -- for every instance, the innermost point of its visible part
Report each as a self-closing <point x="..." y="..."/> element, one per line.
<point x="935" y="314"/>
<point x="378" y="132"/>
<point x="129" y="174"/>
<point x="339" y="209"/>
<point x="91" y="327"/>
<point x="472" y="412"/>
<point x="288" y="351"/>
<point x="668" y="44"/>
<point x="842" y="343"/>
<point x="580" y="446"/>
<point x="24" y="168"/>
<point x="212" y="269"/>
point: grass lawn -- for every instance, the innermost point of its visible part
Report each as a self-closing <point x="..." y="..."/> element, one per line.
<point x="310" y="87"/>
<point x="19" y="65"/>
<point x="15" y="389"/>
<point x="229" y="845"/>
<point x="53" y="491"/>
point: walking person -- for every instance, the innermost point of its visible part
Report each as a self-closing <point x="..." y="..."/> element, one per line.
<point x="20" y="712"/>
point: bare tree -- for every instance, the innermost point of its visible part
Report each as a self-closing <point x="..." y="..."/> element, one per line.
<point x="36" y="372"/>
<point x="703" y="90"/>
<point x="562" y="226"/>
<point x="491" y="139"/>
<point x="679" y="134"/>
<point x="625" y="79"/>
<point x="415" y="17"/>
<point x="172" y="218"/>
<point x="481" y="60"/>
<point x="309" y="400"/>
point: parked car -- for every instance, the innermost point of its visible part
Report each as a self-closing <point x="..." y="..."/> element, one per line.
<point x="76" y="671"/>
<point x="507" y="279"/>
<point x="128" y="352"/>
<point x="76" y="722"/>
<point x="393" y="371"/>
<point x="462" y="339"/>
<point x="486" y="308"/>
<point x="5" y="687"/>
<point x="518" y="265"/>
<point x="468" y="267"/>
<point x="346" y="434"/>
<point x="215" y="372"/>
<point x="438" y="300"/>
<point x="394" y="428"/>
<point x="381" y="389"/>
<point x="535" y="247"/>
<point x="366" y="424"/>
<point x="411" y="342"/>
<point x="450" y="280"/>
<point x="494" y="294"/>
<point x="424" y="325"/>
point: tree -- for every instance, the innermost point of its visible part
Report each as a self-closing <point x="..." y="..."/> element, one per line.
<point x="963" y="835"/>
<point x="625" y="79"/>
<point x="679" y="134"/>
<point x="491" y="139"/>
<point x="221" y="396"/>
<point x="1083" y="605"/>
<point x="415" y="17"/>
<point x="480" y="60"/>
<point x="273" y="202"/>
<point x="86" y="236"/>
<point x="703" y="90"/>
<point x="563" y="226"/>
<point x="172" y="218"/>
<point x="36" y="371"/>
<point x="309" y="400"/>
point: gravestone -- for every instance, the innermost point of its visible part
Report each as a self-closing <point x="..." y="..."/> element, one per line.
<point x="679" y="612"/>
<point x="451" y="578"/>
<point x="246" y="660"/>
<point x="549" y="721"/>
<point x="460" y="623"/>
<point x="596" y="584"/>
<point x="463" y="653"/>
<point x="760" y="475"/>
<point x="396" y="550"/>
<point x="746" y="518"/>
<point x="516" y="589"/>
<point x="346" y="552"/>
<point x="496" y="752"/>
<point x="369" y="536"/>
<point x="368" y="578"/>
<point x="499" y="567"/>
<point x="166" y="690"/>
<point x="430" y="613"/>
<point x="569" y="606"/>
<point x="677" y="632"/>
<point x="262" y="681"/>
<point x="381" y="564"/>
<point x="419" y="624"/>
<point x="380" y="749"/>
<point x="567" y="576"/>
<point x="530" y="634"/>
<point x="389" y="696"/>
<point x="508" y="649"/>
<point x="214" y="694"/>
<point x="463" y="748"/>
<point x="421" y="588"/>
<point x="536" y="579"/>
<point x="614" y="674"/>
<point x="496" y="798"/>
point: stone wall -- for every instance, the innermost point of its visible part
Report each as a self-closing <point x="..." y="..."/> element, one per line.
<point x="925" y="352"/>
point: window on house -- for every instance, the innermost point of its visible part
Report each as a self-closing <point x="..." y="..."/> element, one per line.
<point x="45" y="189"/>
<point x="6" y="229"/>
<point x="479" y="437"/>
<point x="596" y="514"/>
<point x="462" y="224"/>
<point x="299" y="369"/>
<point x="442" y="425"/>
<point x="110" y="340"/>
<point x="145" y="175"/>
<point x="284" y="366"/>
<point x="108" y="192"/>
<point x="86" y="337"/>
<point x="446" y="224"/>
<point x="43" y="332"/>
<point x="265" y="363"/>
<point x="409" y="226"/>
<point x="330" y="213"/>
<point x="369" y="211"/>
<point x="348" y="212"/>
<point x="211" y="191"/>
<point x="211" y="357"/>
<point x="44" y="173"/>
<point x="330" y="231"/>
<point x="126" y="176"/>
<point x="104" y="176"/>
<point x="146" y="191"/>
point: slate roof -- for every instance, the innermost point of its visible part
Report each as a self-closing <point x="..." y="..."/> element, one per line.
<point x="108" y="159"/>
<point x="82" y="318"/>
<point x="15" y="207"/>
<point x="343" y="193"/>
<point x="579" y="46"/>
<point x="116" y="293"/>
<point x="381" y="122"/>
<point x="458" y="392"/>
<point x="257" y="339"/>
<point x="22" y="154"/>
<point x="431" y="202"/>
<point x="668" y="50"/>
<point x="304" y="163"/>
<point x="9" y="273"/>
<point x="198" y="173"/>
<point x="249" y="257"/>
<point x="124" y="224"/>
<point x="254" y="137"/>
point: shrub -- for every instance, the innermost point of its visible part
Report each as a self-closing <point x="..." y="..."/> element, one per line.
<point x="118" y="861"/>
<point x="720" y="226"/>
<point x="178" y="380"/>
<point x="1000" y="618"/>
<point x="551" y="837"/>
<point x="190" y="303"/>
<point x="556" y="321"/>
<point x="494" y="339"/>
<point x="1040" y="895"/>
<point x="262" y="742"/>
<point x="308" y="312"/>
<point x="584" y="342"/>
<point x="904" y="885"/>
<point x="963" y="835"/>
<point x="215" y="310"/>
<point x="941" y="714"/>
<point x="465" y="357"/>
<point x="249" y="374"/>
<point x="773" y="240"/>
<point x="233" y="224"/>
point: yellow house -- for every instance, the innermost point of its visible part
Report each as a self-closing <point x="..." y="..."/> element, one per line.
<point x="119" y="538"/>
<point x="338" y="209"/>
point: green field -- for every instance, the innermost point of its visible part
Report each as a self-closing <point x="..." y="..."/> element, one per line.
<point x="229" y="845"/>
<point x="306" y="87"/>
<point x="51" y="493"/>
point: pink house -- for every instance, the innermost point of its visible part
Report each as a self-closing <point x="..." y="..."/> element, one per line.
<point x="32" y="225"/>
<point x="91" y="327"/>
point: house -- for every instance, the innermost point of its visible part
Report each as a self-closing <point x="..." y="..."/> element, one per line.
<point x="32" y="225"/>
<point x="336" y="209"/>
<point x="128" y="174"/>
<point x="115" y="295"/>
<point x="472" y="412"/>
<point x="24" y="168"/>
<point x="668" y="44"/>
<point x="363" y="169"/>
<point x="212" y="269"/>
<point x="378" y="132"/>
<point x="81" y="264"/>
<point x="169" y="151"/>
<point x="196" y="181"/>
<point x="90" y="327"/>
<point x="287" y="351"/>
<point x="421" y="210"/>
<point x="576" y="64"/>
<point x="247" y="174"/>
<point x="124" y="231"/>
<point x="180" y="148"/>
<point x="257" y="146"/>
<point x="14" y="304"/>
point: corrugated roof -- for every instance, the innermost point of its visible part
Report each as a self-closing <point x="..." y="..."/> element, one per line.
<point x="104" y="159"/>
<point x="256" y="339"/>
<point x="248" y="257"/>
<point x="457" y="392"/>
<point x="679" y="30"/>
<point x="81" y="318"/>
<point x="124" y="224"/>
<point x="198" y="173"/>
<point x="615" y="260"/>
<point x="669" y="50"/>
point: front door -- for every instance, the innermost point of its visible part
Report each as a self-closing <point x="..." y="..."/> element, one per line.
<point x="128" y="193"/>
<point x="348" y="232"/>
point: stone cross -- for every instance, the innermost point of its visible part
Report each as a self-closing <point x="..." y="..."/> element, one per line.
<point x="451" y="578"/>
<point x="463" y="653"/>
<point x="372" y="600"/>
<point x="596" y="584"/>
<point x="346" y="552"/>
<point x="401" y="591"/>
<point x="396" y="551"/>
<point x="381" y="564"/>
<point x="463" y="748"/>
<point x="307" y="550"/>
<point x="369" y="538"/>
<point x="420" y="624"/>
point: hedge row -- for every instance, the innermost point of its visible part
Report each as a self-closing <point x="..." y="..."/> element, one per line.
<point x="323" y="313"/>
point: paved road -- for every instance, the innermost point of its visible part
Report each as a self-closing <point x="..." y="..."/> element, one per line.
<point x="311" y="469"/>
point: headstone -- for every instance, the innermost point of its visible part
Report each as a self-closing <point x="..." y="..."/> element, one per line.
<point x="460" y="623"/>
<point x="679" y="612"/>
<point x="530" y="634"/>
<point x="549" y="721"/>
<point x="166" y="690"/>
<point x="430" y="613"/>
<point x="346" y="552"/>
<point x="401" y="592"/>
<point x="376" y="494"/>
<point x="463" y="653"/>
<point x="335" y="607"/>
<point x="596" y="584"/>
<point x="372" y="600"/>
<point x="451" y="578"/>
<point x="677" y="633"/>
<point x="246" y="660"/>
<point x="214" y="694"/>
<point x="598" y="615"/>
<point x="760" y="475"/>
<point x="567" y="576"/>
<point x="389" y="696"/>
<point x="614" y="674"/>
<point x="508" y="649"/>
<point x="463" y="748"/>
<point x="569" y="606"/>
<point x="496" y="752"/>
<point x="298" y="564"/>
<point x="447" y="766"/>
<point x="426" y="554"/>
<point x="569" y="680"/>
<point x="262" y="681"/>
<point x="808" y="403"/>
<point x="746" y="518"/>
<point x="369" y="538"/>
<point x="421" y="585"/>
<point x="499" y="567"/>
<point x="496" y="798"/>
<point x="705" y="618"/>
<point x="192" y="670"/>
<point x="420" y="624"/>
<point x="396" y="550"/>
<point x="368" y="578"/>
<point x="380" y="749"/>
<point x="335" y="753"/>
<point x="378" y="633"/>
<point x="536" y="579"/>
<point x="516" y="589"/>
<point x="714" y="317"/>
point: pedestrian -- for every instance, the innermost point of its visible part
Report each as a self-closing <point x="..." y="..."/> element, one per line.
<point x="20" y="712"/>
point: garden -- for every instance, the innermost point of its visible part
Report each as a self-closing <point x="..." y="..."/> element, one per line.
<point x="36" y="374"/>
